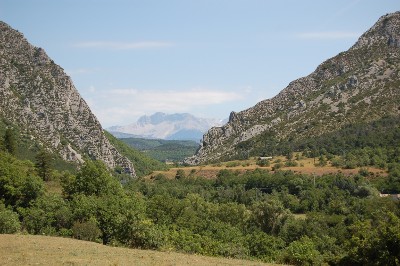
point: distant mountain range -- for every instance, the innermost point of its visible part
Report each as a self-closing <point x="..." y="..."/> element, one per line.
<point x="179" y="126"/>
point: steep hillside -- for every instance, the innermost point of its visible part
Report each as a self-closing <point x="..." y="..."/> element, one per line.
<point x="359" y="85"/>
<point x="40" y="99"/>
<point x="167" y="126"/>
<point x="144" y="163"/>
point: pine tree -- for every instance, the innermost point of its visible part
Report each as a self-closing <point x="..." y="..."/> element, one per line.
<point x="44" y="164"/>
<point x="10" y="143"/>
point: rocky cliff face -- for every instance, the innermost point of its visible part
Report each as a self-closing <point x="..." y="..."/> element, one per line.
<point x="41" y="99"/>
<point x="362" y="84"/>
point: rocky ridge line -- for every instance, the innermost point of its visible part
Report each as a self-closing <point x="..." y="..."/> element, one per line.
<point x="41" y="99"/>
<point x="361" y="84"/>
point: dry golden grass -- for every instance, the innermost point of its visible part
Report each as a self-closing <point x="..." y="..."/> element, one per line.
<point x="307" y="167"/>
<point x="45" y="250"/>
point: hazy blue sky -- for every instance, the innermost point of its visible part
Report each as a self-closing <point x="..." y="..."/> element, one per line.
<point x="205" y="57"/>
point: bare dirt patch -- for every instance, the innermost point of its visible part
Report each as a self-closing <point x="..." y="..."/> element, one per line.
<point x="45" y="250"/>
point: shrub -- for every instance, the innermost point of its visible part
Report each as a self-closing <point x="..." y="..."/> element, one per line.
<point x="302" y="252"/>
<point x="9" y="222"/>
<point x="18" y="187"/>
<point x="87" y="230"/>
<point x="322" y="161"/>
<point x="291" y="163"/>
<point x="64" y="232"/>
<point x="180" y="174"/>
<point x="263" y="163"/>
<point x="363" y="172"/>
<point x="350" y="164"/>
<point x="142" y="234"/>
<point x="232" y="164"/>
<point x="337" y="162"/>
<point x="277" y="166"/>
<point x="47" y="215"/>
<point x="159" y="177"/>
<point x="264" y="246"/>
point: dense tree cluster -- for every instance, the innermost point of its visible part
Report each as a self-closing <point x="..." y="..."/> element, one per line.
<point x="274" y="217"/>
<point x="270" y="216"/>
<point x="164" y="150"/>
<point x="363" y="144"/>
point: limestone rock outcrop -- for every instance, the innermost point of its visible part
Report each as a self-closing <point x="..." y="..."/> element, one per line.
<point x="37" y="95"/>
<point x="361" y="84"/>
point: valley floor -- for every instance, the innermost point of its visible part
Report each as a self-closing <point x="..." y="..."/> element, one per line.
<point x="307" y="167"/>
<point x="45" y="250"/>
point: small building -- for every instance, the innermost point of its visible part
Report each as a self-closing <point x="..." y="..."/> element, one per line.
<point x="265" y="158"/>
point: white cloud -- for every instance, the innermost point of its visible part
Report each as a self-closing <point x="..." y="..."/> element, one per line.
<point x="123" y="45"/>
<point x="124" y="106"/>
<point x="328" y="35"/>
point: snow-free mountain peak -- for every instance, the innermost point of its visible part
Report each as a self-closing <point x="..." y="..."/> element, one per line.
<point x="38" y="98"/>
<point x="178" y="126"/>
<point x="357" y="86"/>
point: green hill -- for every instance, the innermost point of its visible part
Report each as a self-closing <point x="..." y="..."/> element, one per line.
<point x="143" y="163"/>
<point x="164" y="150"/>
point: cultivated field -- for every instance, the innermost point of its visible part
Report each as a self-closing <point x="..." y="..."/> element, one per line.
<point x="45" y="250"/>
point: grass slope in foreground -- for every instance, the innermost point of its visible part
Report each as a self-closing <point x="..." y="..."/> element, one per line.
<point x="45" y="250"/>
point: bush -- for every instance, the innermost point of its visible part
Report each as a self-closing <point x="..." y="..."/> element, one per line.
<point x="263" y="163"/>
<point x="291" y="163"/>
<point x="9" y="222"/>
<point x="322" y="161"/>
<point x="64" y="232"/>
<point x="142" y="234"/>
<point x="47" y="215"/>
<point x="302" y="252"/>
<point x="350" y="164"/>
<point x="180" y="174"/>
<point x="337" y="162"/>
<point x="18" y="187"/>
<point x="363" y="172"/>
<point x="87" y="230"/>
<point x="159" y="177"/>
<point x="232" y="164"/>
<point x="264" y="246"/>
<point x="277" y="166"/>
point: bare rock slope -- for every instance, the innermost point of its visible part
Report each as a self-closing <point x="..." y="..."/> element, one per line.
<point x="40" y="98"/>
<point x="361" y="84"/>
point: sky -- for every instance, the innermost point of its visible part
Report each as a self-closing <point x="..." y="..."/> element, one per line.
<point x="129" y="58"/>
